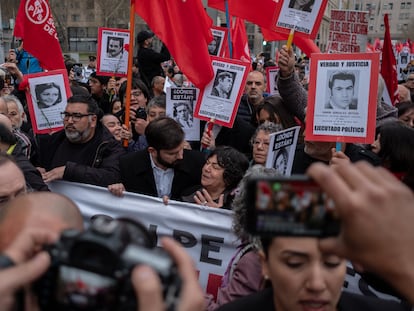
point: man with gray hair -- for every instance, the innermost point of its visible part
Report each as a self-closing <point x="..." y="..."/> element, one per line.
<point x="17" y="116"/>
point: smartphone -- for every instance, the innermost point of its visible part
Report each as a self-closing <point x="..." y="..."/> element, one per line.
<point x="289" y="206"/>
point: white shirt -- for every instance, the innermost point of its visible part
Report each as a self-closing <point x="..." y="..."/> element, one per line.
<point x="163" y="179"/>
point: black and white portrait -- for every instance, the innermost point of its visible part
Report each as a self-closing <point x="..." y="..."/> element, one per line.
<point x="223" y="84"/>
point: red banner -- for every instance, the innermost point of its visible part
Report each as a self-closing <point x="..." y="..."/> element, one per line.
<point x="35" y="25"/>
<point x="184" y="27"/>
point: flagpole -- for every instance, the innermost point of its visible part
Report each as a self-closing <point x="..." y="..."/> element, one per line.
<point x="228" y="22"/>
<point x="129" y="71"/>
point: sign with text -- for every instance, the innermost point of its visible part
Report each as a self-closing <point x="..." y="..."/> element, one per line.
<point x="46" y="98"/>
<point x="282" y="148"/>
<point x="220" y="98"/>
<point x="348" y="31"/>
<point x="112" y="58"/>
<point x="203" y="231"/>
<point x="180" y="106"/>
<point x="271" y="74"/>
<point x="304" y="16"/>
<point x="342" y="97"/>
<point x="219" y="43"/>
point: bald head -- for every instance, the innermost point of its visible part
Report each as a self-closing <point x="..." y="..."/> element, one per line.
<point x="4" y="119"/>
<point x="404" y="93"/>
<point x="45" y="210"/>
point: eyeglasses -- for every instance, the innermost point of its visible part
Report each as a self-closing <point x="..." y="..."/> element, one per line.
<point x="75" y="116"/>
<point x="214" y="165"/>
<point x="261" y="142"/>
<point x="136" y="93"/>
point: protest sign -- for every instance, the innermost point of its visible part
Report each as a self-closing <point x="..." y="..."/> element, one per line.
<point x="219" y="43"/>
<point x="180" y="106"/>
<point x="302" y="16"/>
<point x="348" y="31"/>
<point x="342" y="97"/>
<point x="271" y="74"/>
<point x="282" y="149"/>
<point x="46" y="98"/>
<point x="221" y="97"/>
<point x="112" y="58"/>
<point x="204" y="232"/>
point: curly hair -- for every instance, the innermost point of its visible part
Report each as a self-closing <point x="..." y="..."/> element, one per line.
<point x="239" y="205"/>
<point x="234" y="163"/>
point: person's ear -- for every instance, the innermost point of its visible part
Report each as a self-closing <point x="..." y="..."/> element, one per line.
<point x="152" y="151"/>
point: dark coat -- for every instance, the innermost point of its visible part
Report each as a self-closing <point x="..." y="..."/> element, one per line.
<point x="356" y="153"/>
<point x="32" y="176"/>
<point x="137" y="175"/>
<point x="149" y="63"/>
<point x="263" y="301"/>
<point x="95" y="162"/>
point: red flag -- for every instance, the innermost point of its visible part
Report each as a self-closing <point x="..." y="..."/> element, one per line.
<point x="307" y="46"/>
<point x="240" y="43"/>
<point x="389" y="65"/>
<point x="184" y="27"/>
<point x="35" y="25"/>
<point x="259" y="12"/>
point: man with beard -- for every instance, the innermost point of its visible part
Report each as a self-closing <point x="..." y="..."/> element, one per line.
<point x="85" y="151"/>
<point x="164" y="169"/>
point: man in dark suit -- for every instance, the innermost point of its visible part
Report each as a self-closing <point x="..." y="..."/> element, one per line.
<point x="165" y="169"/>
<point x="341" y="85"/>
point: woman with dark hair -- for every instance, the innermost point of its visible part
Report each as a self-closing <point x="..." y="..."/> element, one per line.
<point x="243" y="274"/>
<point x="394" y="145"/>
<point x="224" y="168"/>
<point x="273" y="110"/>
<point x="48" y="95"/>
<point x="406" y="112"/>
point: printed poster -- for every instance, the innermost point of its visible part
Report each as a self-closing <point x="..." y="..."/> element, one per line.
<point x="219" y="100"/>
<point x="282" y="148"/>
<point x="180" y="106"/>
<point x="112" y="58"/>
<point x="348" y="31"/>
<point x="342" y="97"/>
<point x="46" y="99"/>
<point x="304" y="16"/>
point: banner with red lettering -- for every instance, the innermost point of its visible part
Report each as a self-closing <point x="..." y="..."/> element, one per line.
<point x="203" y="231"/>
<point x="35" y="25"/>
<point x="348" y="31"/>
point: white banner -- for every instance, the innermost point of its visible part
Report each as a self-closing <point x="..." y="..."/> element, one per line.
<point x="205" y="232"/>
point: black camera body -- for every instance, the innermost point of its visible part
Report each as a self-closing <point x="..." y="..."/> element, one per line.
<point x="91" y="270"/>
<point x="78" y="71"/>
<point x="141" y="113"/>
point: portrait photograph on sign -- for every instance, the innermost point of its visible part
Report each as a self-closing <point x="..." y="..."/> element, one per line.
<point x="282" y="148"/>
<point x="112" y="57"/>
<point x="220" y="98"/>
<point x="180" y="106"/>
<point x="271" y="76"/>
<point x="304" y="16"/>
<point x="46" y="98"/>
<point x="218" y="44"/>
<point x="342" y="97"/>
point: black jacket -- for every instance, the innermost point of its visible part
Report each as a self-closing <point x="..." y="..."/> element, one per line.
<point x="149" y="63"/>
<point x="263" y="301"/>
<point x="95" y="162"/>
<point x="32" y="176"/>
<point x="137" y="175"/>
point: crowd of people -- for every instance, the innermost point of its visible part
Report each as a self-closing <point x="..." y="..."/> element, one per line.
<point x="371" y="185"/>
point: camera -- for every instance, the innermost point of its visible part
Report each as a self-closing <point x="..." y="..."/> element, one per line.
<point x="91" y="270"/>
<point x="78" y="71"/>
<point x="141" y="113"/>
<point x="289" y="206"/>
